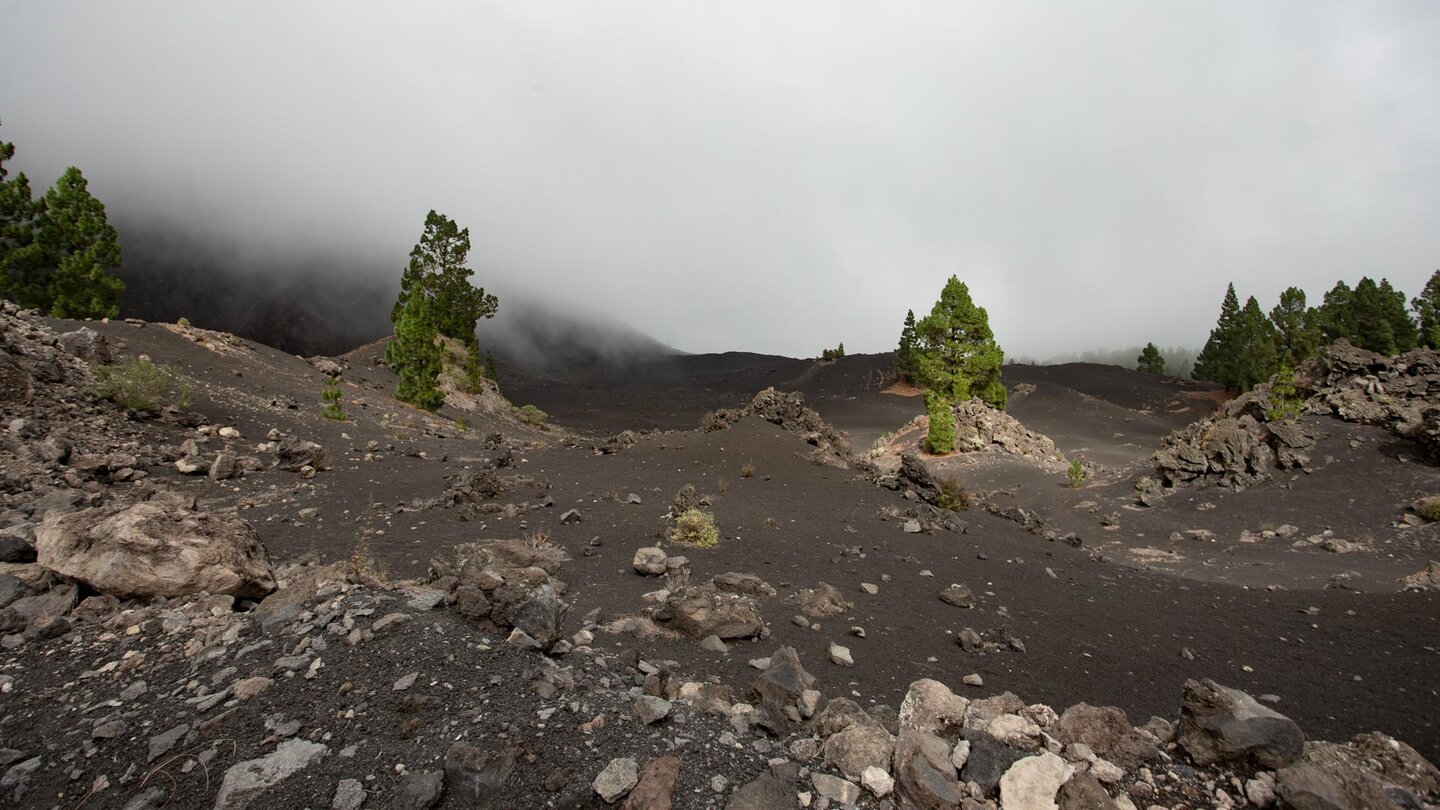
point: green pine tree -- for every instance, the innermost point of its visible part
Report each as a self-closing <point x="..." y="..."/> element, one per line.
<point x="331" y="396"/>
<point x="437" y="273"/>
<point x="941" y="437"/>
<point x="1374" y="330"/>
<point x="22" y="275"/>
<point x="958" y="357"/>
<point x="1297" y="328"/>
<point x="491" y="372"/>
<point x="1397" y="314"/>
<point x="1216" y="362"/>
<point x="415" y="355"/>
<point x="1427" y="311"/>
<point x="80" y="249"/>
<point x="906" y="357"/>
<point x="1256" y="357"/>
<point x="1337" y="314"/>
<point x="1150" y="360"/>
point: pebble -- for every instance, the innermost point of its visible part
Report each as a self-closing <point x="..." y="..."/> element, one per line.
<point x="841" y="655"/>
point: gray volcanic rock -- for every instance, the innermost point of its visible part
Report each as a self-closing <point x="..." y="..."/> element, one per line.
<point x="1218" y="724"/>
<point x="704" y="610"/>
<point x="155" y="549"/>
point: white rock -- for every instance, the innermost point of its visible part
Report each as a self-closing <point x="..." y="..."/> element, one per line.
<point x="841" y="655"/>
<point x="617" y="779"/>
<point x="1031" y="783"/>
<point x="877" y="781"/>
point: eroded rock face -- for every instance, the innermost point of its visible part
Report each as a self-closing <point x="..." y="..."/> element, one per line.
<point x="981" y="427"/>
<point x="155" y="549"/>
<point x="1219" y="724"/>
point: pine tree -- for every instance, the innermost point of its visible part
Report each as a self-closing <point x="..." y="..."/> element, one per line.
<point x="1374" y="329"/>
<point x="941" y="437"/>
<point x="1427" y="310"/>
<point x="1150" y="360"/>
<point x="1255" y="356"/>
<point x="1395" y="312"/>
<point x="958" y="357"/>
<point x="1216" y="362"/>
<point x="415" y="355"/>
<point x="491" y="372"/>
<point x="22" y="276"/>
<point x="1337" y="314"/>
<point x="437" y="273"/>
<point x="906" y="361"/>
<point x="331" y="395"/>
<point x="1297" y="328"/>
<point x="80" y="249"/>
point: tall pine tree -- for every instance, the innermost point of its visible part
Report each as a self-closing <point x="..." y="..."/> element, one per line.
<point x="80" y="250"/>
<point x="958" y="357"/>
<point x="1427" y="310"/>
<point x="1297" y="328"/>
<point x="1337" y="314"/>
<point x="1216" y="362"/>
<point x="438" y="275"/>
<point x="22" y="276"/>
<point x="1255" y="357"/>
<point x="906" y="357"/>
<point x="1394" y="310"/>
<point x="415" y="355"/>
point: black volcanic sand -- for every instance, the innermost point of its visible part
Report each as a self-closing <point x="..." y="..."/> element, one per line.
<point x="1099" y="624"/>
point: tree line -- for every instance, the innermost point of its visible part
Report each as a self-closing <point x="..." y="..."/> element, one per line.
<point x="1247" y="346"/>
<point x="58" y="253"/>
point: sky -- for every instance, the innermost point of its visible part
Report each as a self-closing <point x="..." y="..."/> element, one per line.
<point x="774" y="177"/>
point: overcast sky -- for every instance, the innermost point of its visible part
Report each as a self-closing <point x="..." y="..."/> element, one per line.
<point x="772" y="176"/>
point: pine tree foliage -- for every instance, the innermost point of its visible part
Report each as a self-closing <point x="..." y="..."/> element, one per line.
<point x="1297" y="328"/>
<point x="958" y="357"/>
<point x="1215" y="362"/>
<point x="1256" y="357"/>
<point x="1337" y="314"/>
<point x="1150" y="360"/>
<point x="82" y="248"/>
<point x="415" y="355"/>
<point x="941" y="437"/>
<point x="437" y="274"/>
<point x="331" y="396"/>
<point x="907" y="355"/>
<point x="1427" y="311"/>
<point x="57" y="253"/>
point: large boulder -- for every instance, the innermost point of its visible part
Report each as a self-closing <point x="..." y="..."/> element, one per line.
<point x="780" y="690"/>
<point x="1107" y="730"/>
<point x="931" y="707"/>
<point x="156" y="549"/>
<point x="292" y="453"/>
<point x="1219" y="724"/>
<point x="1031" y="783"/>
<point x="859" y="746"/>
<point x="923" y="772"/>
<point x="705" y="610"/>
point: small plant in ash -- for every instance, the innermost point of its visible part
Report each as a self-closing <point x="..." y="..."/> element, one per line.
<point x="1076" y="473"/>
<point x="748" y="471"/>
<point x="1428" y="508"/>
<point x="142" y="386"/>
<point x="833" y="354"/>
<point x="1285" y="402"/>
<point x="331" y="395"/>
<point x="461" y="425"/>
<point x="183" y="322"/>
<point x="953" y="495"/>
<point x="531" y="415"/>
<point x="695" y="528"/>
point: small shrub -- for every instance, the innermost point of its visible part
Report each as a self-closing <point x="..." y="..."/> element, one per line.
<point x="141" y="385"/>
<point x="1076" y="473"/>
<point x="531" y="415"/>
<point x="461" y="425"/>
<point x="537" y="540"/>
<point x="1285" y="402"/>
<point x="953" y="495"/>
<point x="722" y="485"/>
<point x="695" y="528"/>
<point x="1428" y="508"/>
<point x="941" y="438"/>
<point x="331" y="395"/>
<point x="748" y="471"/>
<point x="183" y="323"/>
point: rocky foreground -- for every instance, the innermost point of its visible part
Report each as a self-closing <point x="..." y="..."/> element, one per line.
<point x="154" y="655"/>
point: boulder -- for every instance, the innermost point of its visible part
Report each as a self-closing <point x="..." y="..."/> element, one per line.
<point x="987" y="760"/>
<point x="931" y="707"/>
<point x="655" y="789"/>
<point x="245" y="781"/>
<point x="1306" y="786"/>
<point x="616" y="779"/>
<point x="923" y="772"/>
<point x="475" y="777"/>
<point x="1219" y="724"/>
<point x="1107" y="730"/>
<point x="704" y="610"/>
<point x="780" y="689"/>
<point x="292" y="453"/>
<point x="859" y="747"/>
<point x="649" y="561"/>
<point x="154" y="549"/>
<point x="1084" y="792"/>
<point x="744" y="584"/>
<point x="1033" y="782"/>
<point x="822" y="601"/>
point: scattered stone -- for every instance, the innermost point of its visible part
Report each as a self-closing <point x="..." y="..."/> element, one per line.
<point x="1031" y="783"/>
<point x="616" y="779"/>
<point x="246" y="780"/>
<point x="840" y="791"/>
<point x="651" y="709"/>
<point x="841" y="655"/>
<point x="655" y="789"/>
<point x="649" y="561"/>
<point x="475" y="777"/>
